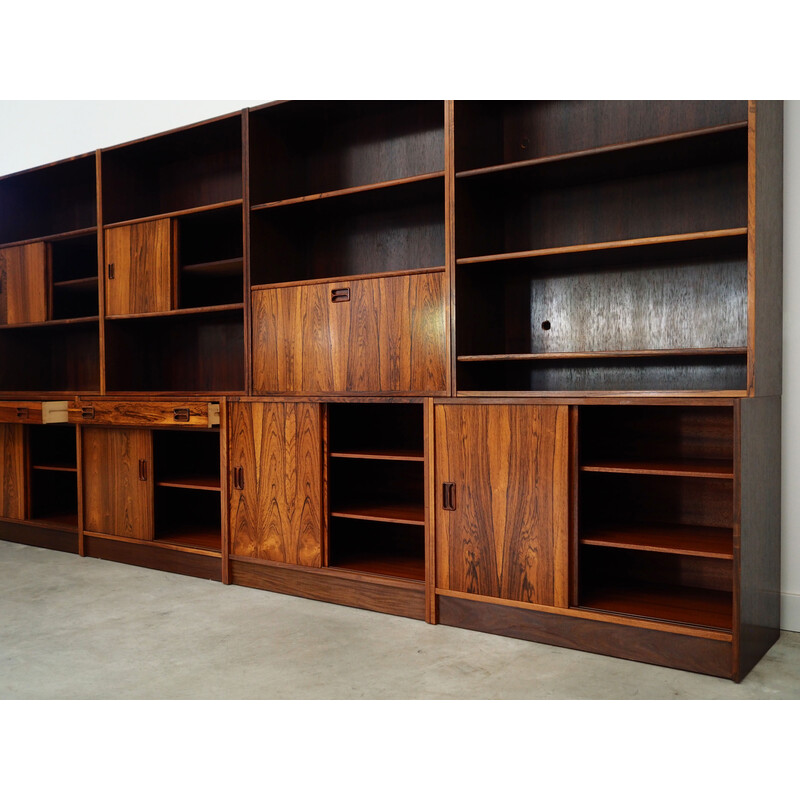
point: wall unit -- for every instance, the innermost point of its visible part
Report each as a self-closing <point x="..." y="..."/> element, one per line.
<point x="507" y="365"/>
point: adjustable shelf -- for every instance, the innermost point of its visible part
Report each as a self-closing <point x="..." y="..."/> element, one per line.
<point x="54" y="476"/>
<point x="494" y="133"/>
<point x="399" y="228"/>
<point x="690" y="540"/>
<point x="377" y="509"/>
<point x="192" y="168"/>
<point x="312" y="148"/>
<point x="49" y="201"/>
<point x="686" y="468"/>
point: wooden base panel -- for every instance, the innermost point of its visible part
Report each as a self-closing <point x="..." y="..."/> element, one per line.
<point x="358" y="592"/>
<point x="36" y="536"/>
<point x="689" y="653"/>
<point x="142" y="555"/>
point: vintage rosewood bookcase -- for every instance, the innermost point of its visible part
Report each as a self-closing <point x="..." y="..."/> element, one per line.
<point x="512" y="366"/>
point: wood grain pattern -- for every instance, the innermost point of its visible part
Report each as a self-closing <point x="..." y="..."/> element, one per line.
<point x="23" y="411"/>
<point x="696" y="654"/>
<point x="389" y="338"/>
<point x="24" y="284"/>
<point x="276" y="516"/>
<point x="508" y="536"/>
<point x="13" y="472"/>
<point x="132" y="412"/>
<point x="142" y="256"/>
<point x="116" y="501"/>
<point x="401" y="598"/>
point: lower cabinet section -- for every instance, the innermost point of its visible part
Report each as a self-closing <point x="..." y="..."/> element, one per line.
<point x="646" y="530"/>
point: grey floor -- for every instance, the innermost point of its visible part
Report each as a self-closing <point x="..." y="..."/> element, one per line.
<point x="83" y="628"/>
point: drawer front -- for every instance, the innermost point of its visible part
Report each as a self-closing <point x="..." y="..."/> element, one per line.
<point x="24" y="412"/>
<point x="373" y="336"/>
<point x="171" y="414"/>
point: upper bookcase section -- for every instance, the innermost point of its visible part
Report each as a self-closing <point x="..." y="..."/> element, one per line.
<point x="306" y="148"/>
<point x="498" y="133"/>
<point x="189" y="168"/>
<point x="47" y="201"/>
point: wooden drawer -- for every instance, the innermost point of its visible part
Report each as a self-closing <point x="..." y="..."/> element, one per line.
<point x="173" y="414"/>
<point x="381" y="336"/>
<point x="21" y="411"/>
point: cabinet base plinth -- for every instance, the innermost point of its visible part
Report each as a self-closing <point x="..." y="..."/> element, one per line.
<point x="49" y="538"/>
<point x="690" y="653"/>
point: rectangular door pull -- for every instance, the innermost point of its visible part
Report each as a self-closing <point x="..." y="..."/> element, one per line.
<point x="449" y="496"/>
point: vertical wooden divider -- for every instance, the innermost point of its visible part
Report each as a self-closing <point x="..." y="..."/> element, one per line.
<point x="574" y="504"/>
<point x="737" y="539"/>
<point x="224" y="473"/>
<point x="430" y="511"/>
<point x="248" y="333"/>
<point x="751" y="245"/>
<point x="450" y="238"/>
<point x="101" y="283"/>
<point x="79" y="459"/>
<point x="325" y="440"/>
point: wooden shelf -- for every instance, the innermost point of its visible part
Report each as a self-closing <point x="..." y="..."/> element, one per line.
<point x="181" y="312"/>
<point x="704" y="607"/>
<point x="50" y="323"/>
<point x="206" y="483"/>
<point x="55" y="467"/>
<point x="192" y="536"/>
<point x="604" y="150"/>
<point x="170" y="214"/>
<point x="77" y="284"/>
<point x="381" y="455"/>
<point x="222" y="268"/>
<point x="396" y="566"/>
<point x="60" y="521"/>
<point x="684" y="468"/>
<point x="697" y="351"/>
<point x="687" y="540"/>
<point x="351" y="190"/>
<point x="347" y="278"/>
<point x="404" y="514"/>
<point x="610" y="245"/>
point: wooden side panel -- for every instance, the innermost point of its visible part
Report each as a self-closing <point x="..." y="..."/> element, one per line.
<point x="760" y="529"/>
<point x="389" y="338"/>
<point x="116" y="500"/>
<point x="765" y="245"/>
<point x="24" y="280"/>
<point x="276" y="463"/>
<point x="139" y="257"/>
<point x="508" y="534"/>
<point x="12" y="471"/>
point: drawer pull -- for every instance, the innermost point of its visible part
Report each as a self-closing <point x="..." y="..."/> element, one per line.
<point x="87" y="412"/>
<point x="23" y="413"/>
<point x="181" y="414"/>
<point x="238" y="478"/>
<point x="111" y="272"/>
<point x="449" y="496"/>
<point x="142" y="469"/>
<point x="340" y="295"/>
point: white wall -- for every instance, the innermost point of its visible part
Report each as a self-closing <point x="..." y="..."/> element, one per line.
<point x="37" y="132"/>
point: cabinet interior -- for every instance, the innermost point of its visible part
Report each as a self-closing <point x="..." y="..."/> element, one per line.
<point x="53" y="475"/>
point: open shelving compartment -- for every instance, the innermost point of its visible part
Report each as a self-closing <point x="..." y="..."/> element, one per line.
<point x="646" y="240"/>
<point x="307" y="148"/>
<point x="188" y="506"/>
<point x="75" y="290"/>
<point x="399" y="228"/>
<point x="53" y="477"/>
<point x="376" y="489"/>
<point x="656" y="512"/>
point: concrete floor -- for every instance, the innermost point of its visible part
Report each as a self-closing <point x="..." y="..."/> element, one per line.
<point x="83" y="628"/>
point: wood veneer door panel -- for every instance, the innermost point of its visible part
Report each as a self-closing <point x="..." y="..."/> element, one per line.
<point x="118" y="482"/>
<point x="508" y="534"/>
<point x="387" y="338"/>
<point x="139" y="272"/>
<point x="12" y="471"/>
<point x="295" y="341"/>
<point x="24" y="284"/>
<point x="396" y="338"/>
<point x="276" y="482"/>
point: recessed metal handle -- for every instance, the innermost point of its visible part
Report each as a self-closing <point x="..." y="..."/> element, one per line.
<point x="87" y="412"/>
<point x="181" y="414"/>
<point x="340" y="295"/>
<point x="142" y="469"/>
<point x="449" y="496"/>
